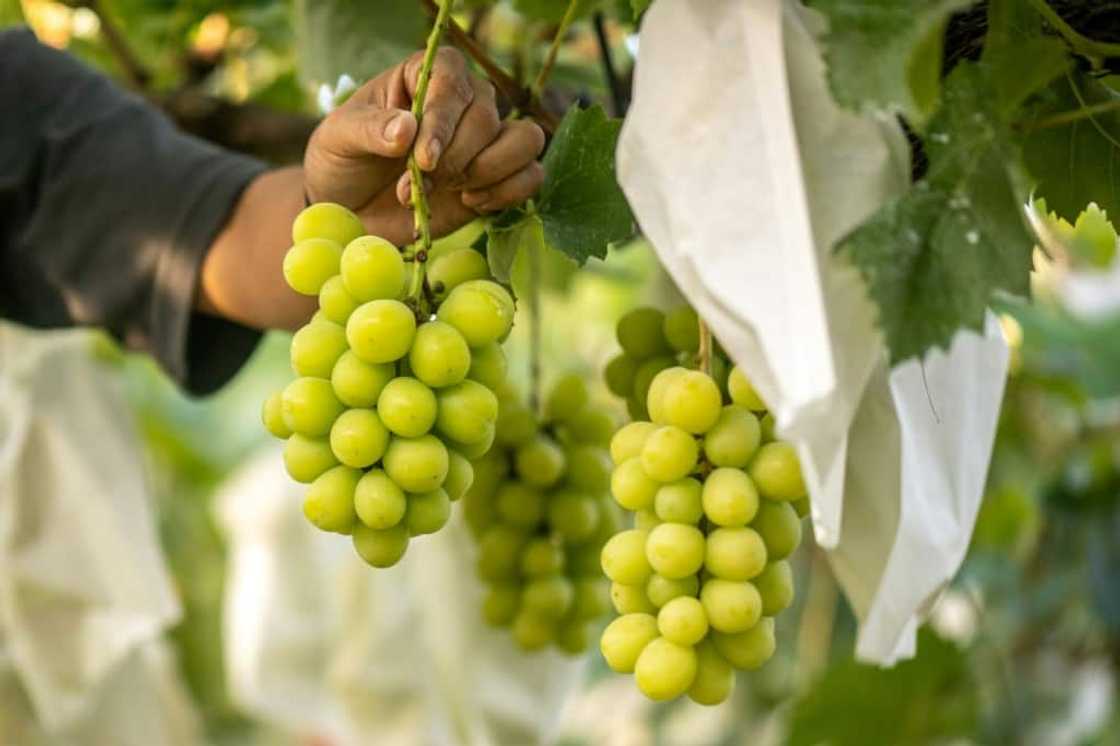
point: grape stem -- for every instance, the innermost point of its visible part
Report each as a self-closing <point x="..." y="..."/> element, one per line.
<point x="705" y="352"/>
<point x="554" y="48"/>
<point x="534" y="329"/>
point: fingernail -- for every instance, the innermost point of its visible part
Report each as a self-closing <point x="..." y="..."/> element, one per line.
<point x="434" y="150"/>
<point x="394" y="128"/>
<point x="404" y="190"/>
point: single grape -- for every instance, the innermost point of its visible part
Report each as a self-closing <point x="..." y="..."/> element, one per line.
<point x="416" y="464"/>
<point x="644" y="376"/>
<point x="329" y="503"/>
<point x="327" y="220"/>
<point x="568" y="396"/>
<point x="500" y="604"/>
<point x="358" y="438"/>
<point x="640" y="333"/>
<point x="731" y="606"/>
<point x="660" y="590"/>
<point x="460" y="476"/>
<point x="439" y="355"/>
<point x="573" y="515"/>
<point x="624" y="558"/>
<point x="306" y="458"/>
<point x="479" y="448"/>
<point x="655" y="395"/>
<point x="310" y="263"/>
<point x="467" y="412"/>
<point x="619" y="374"/>
<point x="583" y="560"/>
<point x="665" y="670"/>
<point x="316" y="347"/>
<point x="381" y="548"/>
<point x="447" y="272"/>
<point x="592" y="426"/>
<point x="630" y="599"/>
<point x="735" y="553"/>
<point x="407" y="407"/>
<point x="572" y="637"/>
<point x="499" y="552"/>
<point x="775" y="586"/>
<point x="729" y="498"/>
<point x="481" y="310"/>
<point x="679" y="502"/>
<point x="309" y="406"/>
<point x="734" y="438"/>
<point x="550" y="596"/>
<point x="488" y="365"/>
<point x="427" y="512"/>
<point x="682" y="329"/>
<point x="541" y="557"/>
<point x="692" y="401"/>
<point x="588" y="468"/>
<point x="669" y="454"/>
<point x="776" y="472"/>
<point x="532" y="631"/>
<point x="381" y="331"/>
<point x="540" y="462"/>
<point x="675" y="550"/>
<point x="516" y="425"/>
<point x="479" y="512"/>
<point x="715" y="678"/>
<point x="357" y="383"/>
<point x="629" y="441"/>
<point x="683" y="621"/>
<point x="520" y="504"/>
<point x="779" y="527"/>
<point x="625" y="638"/>
<point x="750" y="649"/>
<point x="334" y="302"/>
<point x="630" y="486"/>
<point x="372" y="269"/>
<point x="272" y="415"/>
<point x="591" y="599"/>
<point x="743" y="392"/>
<point x="378" y="501"/>
<point x="646" y="519"/>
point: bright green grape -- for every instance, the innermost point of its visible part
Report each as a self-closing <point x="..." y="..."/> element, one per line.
<point x="479" y="448"/>
<point x="272" y="415"/>
<point x="334" y="302"/>
<point x="573" y="515"/>
<point x="572" y="638"/>
<point x="481" y="310"/>
<point x="499" y="552"/>
<point x="358" y="438"/>
<point x="427" y="512"/>
<point x="542" y="556"/>
<point x="655" y="395"/>
<point x="629" y="441"/>
<point x="327" y="220"/>
<point x="306" y="458"/>
<point x="682" y="329"/>
<point x="592" y="426"/>
<point x="450" y="270"/>
<point x="625" y="638"/>
<point x="630" y="599"/>
<point x="619" y="374"/>
<point x="532" y="631"/>
<point x="381" y="548"/>
<point x="743" y="392"/>
<point x="646" y="519"/>
<point x="775" y="586"/>
<point x="660" y="590"/>
<point x="640" y="333"/>
<point x="715" y="678"/>
<point x="407" y="407"/>
<point x="748" y="650"/>
<point x="644" y="376"/>
<point x="309" y="406"/>
<point x="316" y="347"/>
<point x="568" y="396"/>
<point x="734" y="438"/>
<point x="516" y="425"/>
<point x="731" y="606"/>
<point x="381" y="331"/>
<point x="589" y="468"/>
<point x="329" y="503"/>
<point x="416" y="464"/>
<point x="729" y="498"/>
<point x="669" y="454"/>
<point x="551" y="596"/>
<point x="692" y="401"/>
<point x="520" y="504"/>
<point x="488" y="365"/>
<point x="735" y="553"/>
<point x="679" y="502"/>
<point x="591" y="599"/>
<point x="630" y="486"/>
<point x="683" y="621"/>
<point x="624" y="558"/>
<point x="776" y="472"/>
<point x="460" y="476"/>
<point x="467" y="412"/>
<point x="378" y="501"/>
<point x="779" y="527"/>
<point x="500" y="604"/>
<point x="540" y="462"/>
<point x="372" y="269"/>
<point x="357" y="383"/>
<point x="310" y="263"/>
<point x="439" y="355"/>
<point x="675" y="550"/>
<point x="665" y="670"/>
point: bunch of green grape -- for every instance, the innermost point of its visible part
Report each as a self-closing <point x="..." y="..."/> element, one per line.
<point x="718" y="505"/>
<point x="394" y="393"/>
<point x="540" y="512"/>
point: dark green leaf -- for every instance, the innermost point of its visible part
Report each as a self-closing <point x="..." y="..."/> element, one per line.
<point x="504" y="242"/>
<point x="1021" y="59"/>
<point x="580" y="204"/>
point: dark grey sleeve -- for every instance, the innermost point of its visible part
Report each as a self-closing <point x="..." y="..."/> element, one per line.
<point x="106" y="213"/>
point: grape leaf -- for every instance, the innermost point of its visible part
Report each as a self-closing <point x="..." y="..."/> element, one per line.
<point x="1022" y="60"/>
<point x="886" y="54"/>
<point x="580" y="205"/>
<point x="504" y="239"/>
<point x="933" y="257"/>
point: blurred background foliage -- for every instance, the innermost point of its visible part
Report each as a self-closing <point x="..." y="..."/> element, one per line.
<point x="1025" y="646"/>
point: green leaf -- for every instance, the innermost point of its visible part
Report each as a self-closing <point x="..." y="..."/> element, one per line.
<point x="929" y="699"/>
<point x="933" y="257"/>
<point x="1022" y="60"/>
<point x="360" y="39"/>
<point x="581" y="206"/>
<point x="639" y="6"/>
<point x="504" y="242"/>
<point x="886" y="54"/>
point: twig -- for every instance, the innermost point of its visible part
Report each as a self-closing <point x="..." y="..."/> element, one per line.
<point x="1080" y="44"/>
<point x="705" y="352"/>
<point x="1069" y="117"/>
<point x="534" y="329"/>
<point x="138" y="75"/>
<point x="554" y="48"/>
<point x="618" y="100"/>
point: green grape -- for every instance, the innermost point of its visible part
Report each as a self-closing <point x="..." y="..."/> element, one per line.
<point x="358" y="438"/>
<point x="766" y="428"/>
<point x="439" y="355"/>
<point x="532" y="631"/>
<point x="306" y="458"/>
<point x="516" y="425"/>
<point x="630" y="486"/>
<point x="692" y="401"/>
<point x="679" y="502"/>
<point x="460" y="476"/>
<point x="520" y="504"/>
<point x="775" y="586"/>
<point x="665" y="670"/>
<point x="629" y="441"/>
<point x="655" y="395"/>
<point x="591" y="599"/>
<point x="540" y="462"/>
<point x="316" y="347"/>
<point x="467" y="412"/>
<point x="500" y="604"/>
<point x="729" y="498"/>
<point x="735" y="553"/>
<point x="646" y="519"/>
<point x="801" y="507"/>
<point x="479" y="512"/>
<point x="743" y="392"/>
<point x="750" y="649"/>
<point x="715" y="678"/>
<point x="488" y="365"/>
<point x="619" y="374"/>
<point x="378" y="501"/>
<point x="427" y="512"/>
<point x="583" y="560"/>
<point x="381" y="548"/>
<point x="669" y="454"/>
<point x="310" y="263"/>
<point x="624" y="558"/>
<point x="309" y="406"/>
<point x="541" y="556"/>
<point x="734" y="438"/>
<point x="675" y="550"/>
<point x="776" y="472"/>
<point x="407" y="407"/>
<point x="683" y="621"/>
<point x="479" y="448"/>
<point x="630" y="599"/>
<point x="636" y="408"/>
<point x="572" y="638"/>
<point x="481" y="310"/>
<point x="416" y="464"/>
<point x="329" y="503"/>
<point x="643" y="378"/>
<point x="381" y="331"/>
<point x="682" y="329"/>
<point x="357" y="383"/>
<point x="640" y="333"/>
<point x="447" y="272"/>
<point x="272" y="415"/>
<point x="779" y="527"/>
<point x="550" y="596"/>
<point x="573" y="515"/>
<point x="731" y="606"/>
<point x="334" y="302"/>
<point x="660" y="590"/>
<point x="589" y="468"/>
<point x="499" y="551"/>
<point x="625" y="638"/>
<point x="372" y="269"/>
<point x="568" y="396"/>
<point x="327" y="220"/>
<point x="592" y="426"/>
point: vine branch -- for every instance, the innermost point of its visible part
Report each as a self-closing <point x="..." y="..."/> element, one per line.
<point x="1069" y="117"/>
<point x="554" y="48"/>
<point x="1080" y="44"/>
<point x="534" y="329"/>
<point x="705" y="352"/>
<point x="618" y="99"/>
<point x="138" y="75"/>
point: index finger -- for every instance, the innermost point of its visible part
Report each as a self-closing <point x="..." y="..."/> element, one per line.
<point x="449" y="94"/>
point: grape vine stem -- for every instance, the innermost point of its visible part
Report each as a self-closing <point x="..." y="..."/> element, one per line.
<point x="554" y="48"/>
<point x="705" y="352"/>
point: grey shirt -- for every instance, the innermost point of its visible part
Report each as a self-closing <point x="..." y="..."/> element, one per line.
<point x="107" y="211"/>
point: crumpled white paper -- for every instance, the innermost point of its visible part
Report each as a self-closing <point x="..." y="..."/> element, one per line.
<point x="743" y="173"/>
